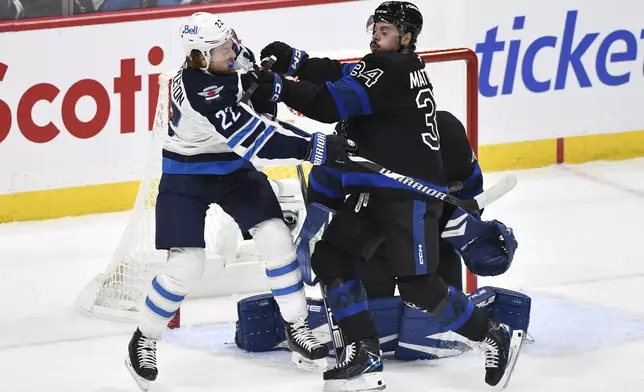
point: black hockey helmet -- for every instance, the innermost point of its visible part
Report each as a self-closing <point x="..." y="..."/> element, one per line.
<point x="402" y="14"/>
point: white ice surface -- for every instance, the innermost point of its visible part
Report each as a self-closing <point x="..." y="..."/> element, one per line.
<point x="580" y="230"/>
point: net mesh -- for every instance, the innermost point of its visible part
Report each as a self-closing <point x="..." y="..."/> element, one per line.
<point x="121" y="288"/>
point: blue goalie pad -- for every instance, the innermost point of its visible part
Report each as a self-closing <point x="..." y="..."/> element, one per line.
<point x="409" y="333"/>
<point x="259" y="325"/>
<point x="317" y="316"/>
<point x="505" y="306"/>
<point x="425" y="335"/>
<point x="421" y="335"/>
<point x="387" y="314"/>
<point x="317" y="220"/>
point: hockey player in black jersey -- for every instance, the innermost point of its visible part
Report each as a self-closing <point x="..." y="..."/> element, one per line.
<point x="387" y="107"/>
<point x="208" y="157"/>
<point x="465" y="181"/>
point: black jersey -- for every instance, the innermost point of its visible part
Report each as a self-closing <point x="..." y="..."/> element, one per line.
<point x="387" y="106"/>
<point x="461" y="167"/>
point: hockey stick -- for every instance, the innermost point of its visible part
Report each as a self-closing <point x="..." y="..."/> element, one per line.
<point x="478" y="202"/>
<point x="337" y="337"/>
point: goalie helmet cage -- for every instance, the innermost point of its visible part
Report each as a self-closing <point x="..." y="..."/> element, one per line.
<point x="119" y="291"/>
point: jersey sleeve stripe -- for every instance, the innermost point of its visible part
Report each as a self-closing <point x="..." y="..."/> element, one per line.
<point x="473" y="186"/>
<point x="350" y="98"/>
<point x="259" y="142"/>
<point x="347" y="68"/>
<point x="325" y="190"/>
<point x="362" y="95"/>
<point x="339" y="102"/>
<point x="243" y="132"/>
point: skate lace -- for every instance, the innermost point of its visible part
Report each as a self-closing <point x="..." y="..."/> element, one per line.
<point x="147" y="353"/>
<point x="491" y="350"/>
<point x="347" y="356"/>
<point x="303" y="336"/>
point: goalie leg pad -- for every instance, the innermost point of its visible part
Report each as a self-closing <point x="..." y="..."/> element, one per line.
<point x="387" y="314"/>
<point x="167" y="290"/>
<point x="421" y="336"/>
<point x="259" y="325"/>
<point x="275" y="244"/>
<point x="451" y="308"/>
<point x="504" y="306"/>
<point x="435" y="334"/>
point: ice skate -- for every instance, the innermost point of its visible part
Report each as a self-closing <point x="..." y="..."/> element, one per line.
<point x="360" y="369"/>
<point x="308" y="352"/>
<point x="142" y="359"/>
<point x="501" y="347"/>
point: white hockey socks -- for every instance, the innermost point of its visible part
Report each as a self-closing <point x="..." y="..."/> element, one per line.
<point x="167" y="290"/>
<point x="275" y="244"/>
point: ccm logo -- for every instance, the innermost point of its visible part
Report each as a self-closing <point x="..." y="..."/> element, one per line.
<point x="277" y="91"/>
<point x="297" y="57"/>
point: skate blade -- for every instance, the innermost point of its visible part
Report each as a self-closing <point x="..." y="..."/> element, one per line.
<point x="143" y="383"/>
<point x="365" y="382"/>
<point x="518" y="337"/>
<point x="311" y="365"/>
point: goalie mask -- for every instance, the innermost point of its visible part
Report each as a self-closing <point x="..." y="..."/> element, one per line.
<point x="210" y="35"/>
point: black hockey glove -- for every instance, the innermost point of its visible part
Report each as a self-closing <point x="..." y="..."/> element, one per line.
<point x="289" y="60"/>
<point x="270" y="85"/>
<point x="329" y="150"/>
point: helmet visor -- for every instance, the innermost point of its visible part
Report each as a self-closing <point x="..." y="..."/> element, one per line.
<point x="382" y="25"/>
<point x="225" y="52"/>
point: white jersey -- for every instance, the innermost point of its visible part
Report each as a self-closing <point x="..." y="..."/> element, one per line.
<point x="210" y="133"/>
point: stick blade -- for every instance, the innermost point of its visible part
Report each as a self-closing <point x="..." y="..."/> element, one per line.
<point x="498" y="190"/>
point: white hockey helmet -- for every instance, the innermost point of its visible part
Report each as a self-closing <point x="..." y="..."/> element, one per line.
<point x="204" y="32"/>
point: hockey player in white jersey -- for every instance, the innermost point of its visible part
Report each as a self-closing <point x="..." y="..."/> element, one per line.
<point x="208" y="158"/>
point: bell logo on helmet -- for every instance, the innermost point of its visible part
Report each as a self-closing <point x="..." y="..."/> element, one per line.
<point x="190" y="29"/>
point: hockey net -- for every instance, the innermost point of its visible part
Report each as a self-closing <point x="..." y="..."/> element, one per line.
<point x="233" y="265"/>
